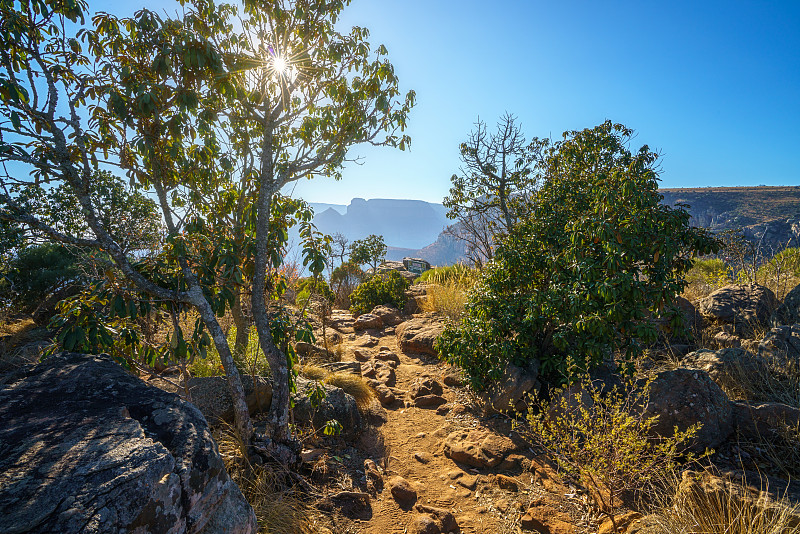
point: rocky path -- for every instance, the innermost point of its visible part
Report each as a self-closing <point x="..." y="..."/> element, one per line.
<point x="445" y="467"/>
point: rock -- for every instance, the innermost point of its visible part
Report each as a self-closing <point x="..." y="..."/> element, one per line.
<point x="726" y="340"/>
<point x="423" y="457"/>
<point x="424" y="524"/>
<point x="748" y="307"/>
<point x="781" y="346"/>
<point x="308" y="350"/>
<point x="353" y="368"/>
<point x="362" y="355"/>
<point x="368" y="341"/>
<point x="788" y="313"/>
<point x="503" y="395"/>
<point x="352" y="504"/>
<point x="402" y="492"/>
<point x="684" y="397"/>
<point x="368" y="321"/>
<point x="726" y="365"/>
<point x="385" y="395"/>
<point x="453" y="378"/>
<point x="444" y="409"/>
<point x="429" y="401"/>
<point x="380" y="371"/>
<point x="623" y="521"/>
<point x="373" y="475"/>
<point x="507" y="483"/>
<point x="389" y="316"/>
<point x="87" y="447"/>
<point x="444" y="520"/>
<point x="389" y="357"/>
<point x="210" y="394"/>
<point x="760" y="421"/>
<point x="546" y="519"/>
<point x="336" y="405"/>
<point x="341" y="320"/>
<point x="418" y="335"/>
<point x="478" y="447"/>
<point x="415" y="296"/>
<point x="424" y="386"/>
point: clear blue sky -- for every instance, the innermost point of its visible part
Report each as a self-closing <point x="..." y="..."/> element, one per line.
<point x="714" y="86"/>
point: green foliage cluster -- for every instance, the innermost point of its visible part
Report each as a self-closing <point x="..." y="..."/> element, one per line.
<point x="385" y="288"/>
<point x="313" y="286"/>
<point x="371" y="251"/>
<point x="583" y="273"/>
<point x="605" y="440"/>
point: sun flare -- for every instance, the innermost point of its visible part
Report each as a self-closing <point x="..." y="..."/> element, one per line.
<point x="280" y="65"/>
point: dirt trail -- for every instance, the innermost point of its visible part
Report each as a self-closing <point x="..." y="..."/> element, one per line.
<point x="411" y="431"/>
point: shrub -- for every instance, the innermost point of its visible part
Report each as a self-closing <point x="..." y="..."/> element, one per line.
<point x="705" y="276"/>
<point x="449" y="299"/>
<point x="459" y="274"/>
<point x="385" y="288"/>
<point x="307" y="286"/>
<point x="595" y="256"/>
<point x="603" y="440"/>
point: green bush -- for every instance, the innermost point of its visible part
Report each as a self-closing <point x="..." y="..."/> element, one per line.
<point x="582" y="274"/>
<point x="386" y="288"/>
<point x="458" y="274"/>
<point x="307" y="286"/>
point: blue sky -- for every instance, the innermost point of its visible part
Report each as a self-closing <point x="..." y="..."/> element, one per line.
<point x="713" y="86"/>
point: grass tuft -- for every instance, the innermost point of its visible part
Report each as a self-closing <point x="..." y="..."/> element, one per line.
<point x="355" y="386"/>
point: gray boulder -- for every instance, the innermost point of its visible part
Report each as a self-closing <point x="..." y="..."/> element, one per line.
<point x="683" y="397"/>
<point x="336" y="405"/>
<point x="211" y="395"/>
<point x="761" y="421"/>
<point x="509" y="392"/>
<point x="747" y="307"/>
<point x="788" y="313"/>
<point x="781" y="346"/>
<point x="724" y="366"/>
<point x="389" y="316"/>
<point x="87" y="447"/>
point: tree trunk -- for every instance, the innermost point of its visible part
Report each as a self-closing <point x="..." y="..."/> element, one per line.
<point x="244" y="426"/>
<point x="242" y="329"/>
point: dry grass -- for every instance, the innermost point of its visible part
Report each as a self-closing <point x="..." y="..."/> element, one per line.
<point x="449" y="299"/>
<point x="778" y="452"/>
<point x="772" y="382"/>
<point x="278" y="510"/>
<point x="726" y="510"/>
<point x="351" y="384"/>
<point x="355" y="386"/>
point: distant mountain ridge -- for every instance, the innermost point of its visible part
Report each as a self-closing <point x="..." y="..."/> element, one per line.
<point x="414" y="227"/>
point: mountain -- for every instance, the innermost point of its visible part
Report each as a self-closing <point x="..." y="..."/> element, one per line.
<point x="409" y="224"/>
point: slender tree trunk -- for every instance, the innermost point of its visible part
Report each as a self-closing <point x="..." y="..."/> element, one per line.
<point x="242" y="328"/>
<point x="244" y="426"/>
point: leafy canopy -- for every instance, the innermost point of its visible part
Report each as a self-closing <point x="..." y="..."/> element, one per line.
<point x="585" y="271"/>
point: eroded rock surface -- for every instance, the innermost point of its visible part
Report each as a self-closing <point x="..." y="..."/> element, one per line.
<point x="418" y="335"/>
<point x="86" y="447"/>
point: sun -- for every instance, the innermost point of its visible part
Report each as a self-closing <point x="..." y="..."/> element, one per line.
<point x="280" y="65"/>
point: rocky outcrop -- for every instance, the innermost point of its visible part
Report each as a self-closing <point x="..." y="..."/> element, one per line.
<point x="336" y="404"/>
<point x="478" y="447"/>
<point x="415" y="296"/>
<point x="418" y="335"/>
<point x="762" y="421"/>
<point x="211" y="395"/>
<point x="86" y="447"/>
<point x="389" y="316"/>
<point x="725" y="366"/>
<point x="684" y="397"/>
<point x="747" y="307"/>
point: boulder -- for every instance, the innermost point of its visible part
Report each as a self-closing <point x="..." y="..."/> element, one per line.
<point x="781" y="346"/>
<point x="424" y="385"/>
<point x="309" y="350"/>
<point x="341" y="320"/>
<point x="429" y="401"/>
<point x="683" y="397"/>
<point x="415" y="296"/>
<point x="788" y="313"/>
<point x="380" y="371"/>
<point x="336" y="405"/>
<point x="761" y="421"/>
<point x="478" y="447"/>
<point x="390" y="316"/>
<point x="748" y="307"/>
<point x="724" y="366"/>
<point x="402" y="492"/>
<point x="433" y="521"/>
<point x="353" y="368"/>
<point x="368" y="321"/>
<point x="211" y="395"/>
<point x="418" y="335"/>
<point x="504" y="395"/>
<point x="87" y="447"/>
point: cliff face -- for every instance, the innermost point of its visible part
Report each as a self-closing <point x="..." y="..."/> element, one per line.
<point x="768" y="213"/>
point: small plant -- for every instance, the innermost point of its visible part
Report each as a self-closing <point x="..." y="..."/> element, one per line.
<point x="449" y="299"/>
<point x="603" y="439"/>
<point x="385" y="288"/>
<point x="705" y="276"/>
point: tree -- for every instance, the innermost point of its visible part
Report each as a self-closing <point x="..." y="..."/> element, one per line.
<point x="214" y="122"/>
<point x="370" y="250"/>
<point x="496" y="177"/>
<point x="583" y="273"/>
